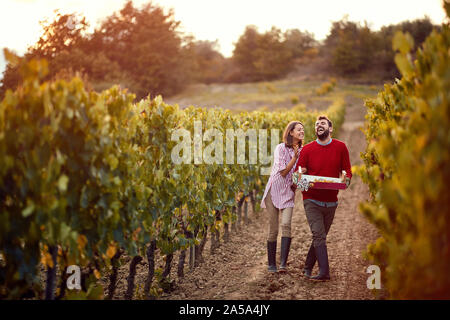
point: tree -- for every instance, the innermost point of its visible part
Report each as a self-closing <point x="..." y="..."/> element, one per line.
<point x="299" y="42"/>
<point x="350" y="47"/>
<point x="146" y="44"/>
<point x="262" y="56"/>
<point x="11" y="75"/>
<point x="140" y="49"/>
<point x="59" y="41"/>
<point x="419" y="29"/>
<point x="62" y="35"/>
<point x="209" y="63"/>
<point x="244" y="52"/>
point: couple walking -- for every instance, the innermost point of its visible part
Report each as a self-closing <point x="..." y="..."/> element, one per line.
<point x="323" y="157"/>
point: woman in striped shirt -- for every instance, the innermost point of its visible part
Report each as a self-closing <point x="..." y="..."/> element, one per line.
<point x="278" y="195"/>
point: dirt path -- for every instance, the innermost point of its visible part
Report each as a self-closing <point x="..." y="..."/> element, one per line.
<point x="238" y="268"/>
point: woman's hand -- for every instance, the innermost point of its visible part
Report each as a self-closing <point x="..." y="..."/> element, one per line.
<point x="296" y="151"/>
<point x="291" y="163"/>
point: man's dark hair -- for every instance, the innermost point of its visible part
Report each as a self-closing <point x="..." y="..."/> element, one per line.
<point x="324" y="117"/>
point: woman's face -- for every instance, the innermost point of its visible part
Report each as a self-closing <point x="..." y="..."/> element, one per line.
<point x="298" y="132"/>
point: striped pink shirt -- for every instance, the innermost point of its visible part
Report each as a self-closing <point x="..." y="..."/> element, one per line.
<point x="280" y="188"/>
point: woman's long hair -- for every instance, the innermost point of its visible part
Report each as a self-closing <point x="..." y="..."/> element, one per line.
<point x="287" y="138"/>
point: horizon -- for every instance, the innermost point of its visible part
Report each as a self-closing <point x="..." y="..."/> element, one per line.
<point x="215" y="25"/>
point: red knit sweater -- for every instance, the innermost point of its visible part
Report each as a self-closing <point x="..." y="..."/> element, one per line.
<point x="327" y="161"/>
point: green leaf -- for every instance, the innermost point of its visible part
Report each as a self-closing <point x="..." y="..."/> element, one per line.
<point x="64" y="230"/>
<point x="95" y="292"/>
<point x="28" y="210"/>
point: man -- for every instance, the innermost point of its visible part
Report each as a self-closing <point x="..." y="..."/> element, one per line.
<point x="323" y="157"/>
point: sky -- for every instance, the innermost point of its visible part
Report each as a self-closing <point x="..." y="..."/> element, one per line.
<point x="222" y="20"/>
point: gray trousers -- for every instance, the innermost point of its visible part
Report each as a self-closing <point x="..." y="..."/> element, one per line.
<point x="319" y="220"/>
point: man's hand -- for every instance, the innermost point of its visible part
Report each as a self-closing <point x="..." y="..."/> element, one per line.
<point x="301" y="170"/>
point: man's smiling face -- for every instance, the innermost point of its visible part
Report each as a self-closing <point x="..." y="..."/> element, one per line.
<point x="322" y="129"/>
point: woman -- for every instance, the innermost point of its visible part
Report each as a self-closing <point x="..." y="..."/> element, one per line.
<point x="278" y="195"/>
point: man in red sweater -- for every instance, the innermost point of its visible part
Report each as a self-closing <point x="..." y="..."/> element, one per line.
<point x="323" y="157"/>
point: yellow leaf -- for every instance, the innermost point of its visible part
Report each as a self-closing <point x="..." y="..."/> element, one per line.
<point x="117" y="181"/>
<point x="62" y="183"/>
<point x="113" y="162"/>
<point x="136" y="233"/>
<point x="82" y="241"/>
<point x="47" y="260"/>
<point x="403" y="64"/>
<point x="421" y="142"/>
<point x="11" y="57"/>
<point x="97" y="274"/>
<point x="402" y="42"/>
<point x="111" y="251"/>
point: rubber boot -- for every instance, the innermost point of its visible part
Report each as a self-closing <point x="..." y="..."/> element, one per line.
<point x="285" y="246"/>
<point x="322" y="259"/>
<point x="310" y="262"/>
<point x="271" y="255"/>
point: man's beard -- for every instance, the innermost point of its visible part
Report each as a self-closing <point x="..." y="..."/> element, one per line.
<point x="323" y="135"/>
